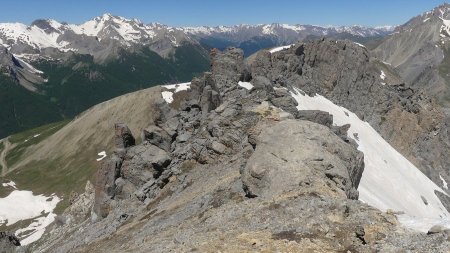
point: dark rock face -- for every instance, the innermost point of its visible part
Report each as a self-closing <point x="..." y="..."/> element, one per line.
<point x="105" y="188"/>
<point x="124" y="137"/>
<point x="110" y="170"/>
<point x="8" y="242"/>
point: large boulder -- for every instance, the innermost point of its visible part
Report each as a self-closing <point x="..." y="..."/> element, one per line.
<point x="301" y="157"/>
<point x="144" y="163"/>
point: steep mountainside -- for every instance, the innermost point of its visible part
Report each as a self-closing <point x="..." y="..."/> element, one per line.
<point x="227" y="164"/>
<point x="419" y="51"/>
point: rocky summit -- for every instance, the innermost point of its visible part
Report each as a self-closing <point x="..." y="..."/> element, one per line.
<point x="233" y="165"/>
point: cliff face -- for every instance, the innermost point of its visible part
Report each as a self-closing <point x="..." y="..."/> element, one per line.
<point x="232" y="165"/>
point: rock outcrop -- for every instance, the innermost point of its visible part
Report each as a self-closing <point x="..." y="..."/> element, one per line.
<point x="314" y="158"/>
<point x="235" y="170"/>
<point x="8" y="242"/>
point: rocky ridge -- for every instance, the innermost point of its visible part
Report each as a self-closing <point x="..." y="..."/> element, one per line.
<point x="235" y="169"/>
<point x="424" y="67"/>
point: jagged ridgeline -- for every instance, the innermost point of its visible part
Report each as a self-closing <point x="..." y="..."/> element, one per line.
<point x="248" y="158"/>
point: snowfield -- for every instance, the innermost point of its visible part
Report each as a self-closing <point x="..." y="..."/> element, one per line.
<point x="31" y="35"/>
<point x="445" y="28"/>
<point x="24" y="205"/>
<point x="168" y="95"/>
<point x="389" y="180"/>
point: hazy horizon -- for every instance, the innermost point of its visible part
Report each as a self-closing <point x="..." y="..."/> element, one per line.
<point x="227" y="13"/>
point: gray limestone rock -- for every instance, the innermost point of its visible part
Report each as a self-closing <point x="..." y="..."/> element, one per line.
<point x="158" y="137"/>
<point x="319" y="117"/>
<point x="304" y="151"/>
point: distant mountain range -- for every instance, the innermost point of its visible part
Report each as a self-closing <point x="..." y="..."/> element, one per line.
<point x="63" y="69"/>
<point x="101" y="35"/>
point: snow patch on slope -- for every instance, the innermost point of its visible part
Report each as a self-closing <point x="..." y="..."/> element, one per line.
<point x="359" y="44"/>
<point x="102" y="156"/>
<point x="277" y="49"/>
<point x="246" y="85"/>
<point x="35" y="230"/>
<point x="444" y="183"/>
<point x="24" y="205"/>
<point x="445" y="28"/>
<point x="382" y="75"/>
<point x="10" y="184"/>
<point x="168" y="95"/>
<point x="33" y="36"/>
<point x="389" y="180"/>
<point x="27" y="65"/>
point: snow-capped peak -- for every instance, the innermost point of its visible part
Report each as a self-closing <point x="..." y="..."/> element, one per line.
<point x="107" y="16"/>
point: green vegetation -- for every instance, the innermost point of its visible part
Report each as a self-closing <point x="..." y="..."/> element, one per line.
<point x="28" y="138"/>
<point x="61" y="175"/>
<point x="2" y="146"/>
<point x="22" y="109"/>
<point x="47" y="176"/>
<point x="80" y="83"/>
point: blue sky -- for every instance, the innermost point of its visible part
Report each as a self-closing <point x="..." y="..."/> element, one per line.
<point x="222" y="12"/>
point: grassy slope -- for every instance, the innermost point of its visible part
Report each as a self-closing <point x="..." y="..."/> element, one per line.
<point x="63" y="157"/>
<point x="24" y="140"/>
